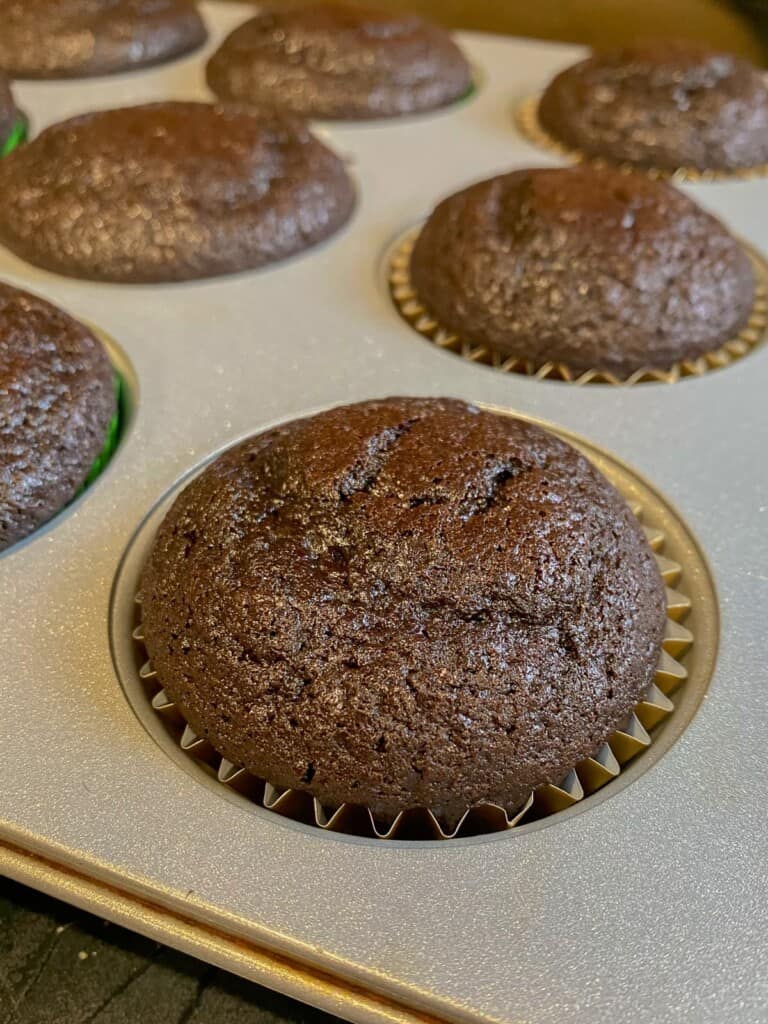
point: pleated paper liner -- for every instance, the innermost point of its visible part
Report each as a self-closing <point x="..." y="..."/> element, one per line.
<point x="528" y="123"/>
<point x="16" y="136"/>
<point x="590" y="775"/>
<point x="412" y="310"/>
<point x="112" y="439"/>
<point x="118" y="422"/>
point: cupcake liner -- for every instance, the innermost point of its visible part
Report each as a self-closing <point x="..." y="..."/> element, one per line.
<point x="411" y="309"/>
<point x="588" y="776"/>
<point x="529" y="125"/>
<point x="18" y="134"/>
<point x="111" y="440"/>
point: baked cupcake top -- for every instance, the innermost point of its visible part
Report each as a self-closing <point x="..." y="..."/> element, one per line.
<point x="78" y="38"/>
<point x="593" y="269"/>
<point x="170" y="192"/>
<point x="8" y="111"/>
<point x="403" y="603"/>
<point x="57" y="397"/>
<point x="332" y="61"/>
<point x="665" y="105"/>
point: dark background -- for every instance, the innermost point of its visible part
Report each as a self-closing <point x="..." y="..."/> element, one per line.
<point x="61" y="966"/>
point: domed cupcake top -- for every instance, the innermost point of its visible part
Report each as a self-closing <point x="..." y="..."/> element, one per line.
<point x="664" y="105"/>
<point x="592" y="269"/>
<point x="332" y="61"/>
<point x="78" y="38"/>
<point x="403" y="603"/>
<point x="169" y="192"/>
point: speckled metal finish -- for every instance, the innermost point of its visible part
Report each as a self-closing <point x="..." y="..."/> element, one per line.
<point x="646" y="907"/>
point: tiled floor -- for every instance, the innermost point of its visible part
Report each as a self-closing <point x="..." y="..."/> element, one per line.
<point x="59" y="965"/>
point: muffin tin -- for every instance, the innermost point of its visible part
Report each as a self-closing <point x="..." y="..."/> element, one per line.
<point x="644" y="900"/>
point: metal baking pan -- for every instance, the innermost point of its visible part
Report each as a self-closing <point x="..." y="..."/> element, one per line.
<point x="646" y="903"/>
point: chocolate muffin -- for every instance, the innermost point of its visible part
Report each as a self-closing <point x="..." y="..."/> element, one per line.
<point x="664" y="105"/>
<point x="403" y="603"/>
<point x="593" y="269"/>
<point x="328" y="60"/>
<point x="78" y="38"/>
<point x="170" y="192"/>
<point x="57" y="398"/>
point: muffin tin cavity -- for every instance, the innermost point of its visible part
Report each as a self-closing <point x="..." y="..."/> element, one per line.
<point x="681" y="679"/>
<point x="397" y="280"/>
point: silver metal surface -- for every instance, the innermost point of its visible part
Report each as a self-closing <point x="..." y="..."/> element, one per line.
<point x="650" y="906"/>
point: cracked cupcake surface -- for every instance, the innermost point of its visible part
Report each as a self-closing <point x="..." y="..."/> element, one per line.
<point x="57" y="397"/>
<point x="665" y="105"/>
<point x="79" y="38"/>
<point x="403" y="603"/>
<point x="593" y="269"/>
<point x="332" y="61"/>
<point x="170" y="192"/>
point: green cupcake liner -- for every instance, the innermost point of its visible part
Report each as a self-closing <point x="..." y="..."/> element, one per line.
<point x="112" y="437"/>
<point x="468" y="93"/>
<point x="17" y="136"/>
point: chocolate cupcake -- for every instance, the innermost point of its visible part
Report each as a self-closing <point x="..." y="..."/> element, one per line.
<point x="592" y="269"/>
<point x="79" y="38"/>
<point x="332" y="61"/>
<point x="664" y="105"/>
<point x="57" y="400"/>
<point x="170" y="192"/>
<point x="403" y="603"/>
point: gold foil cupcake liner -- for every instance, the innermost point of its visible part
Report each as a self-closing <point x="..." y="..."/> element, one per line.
<point x="587" y="777"/>
<point x="530" y="126"/>
<point x="415" y="313"/>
